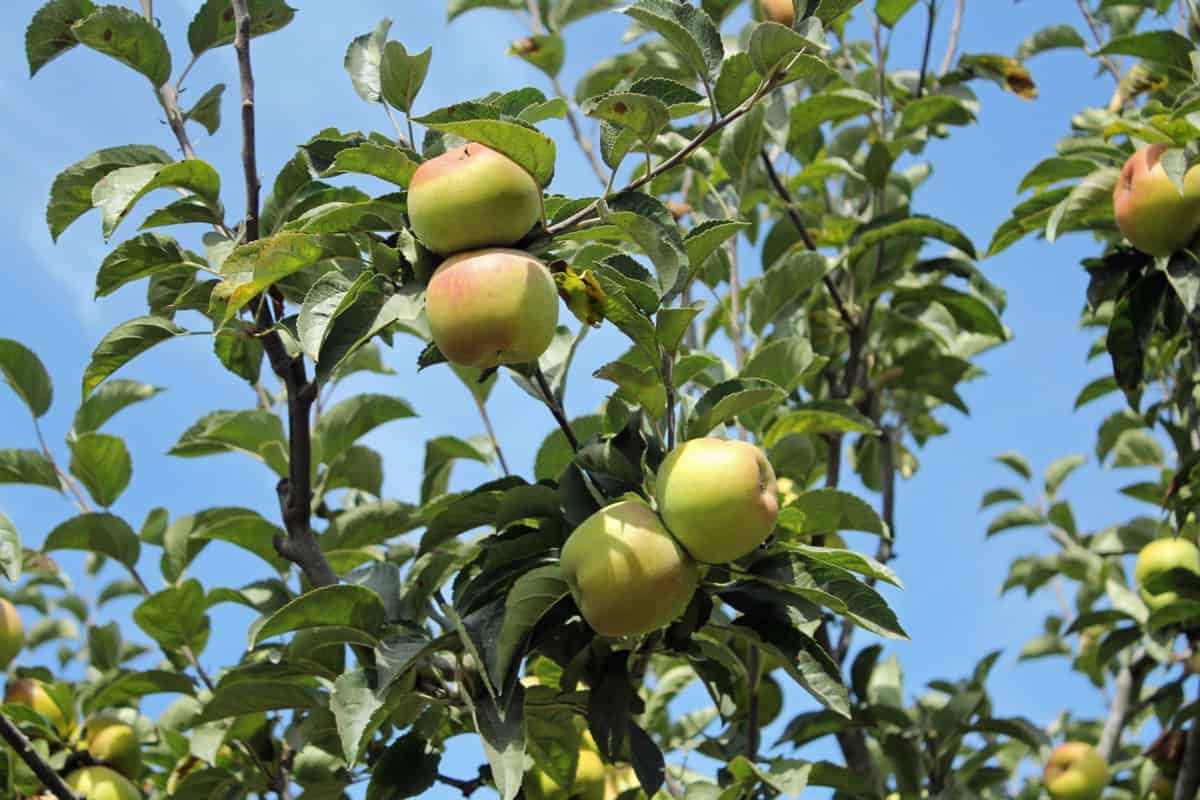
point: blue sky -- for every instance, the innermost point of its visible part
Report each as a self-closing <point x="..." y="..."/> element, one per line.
<point x="951" y="607"/>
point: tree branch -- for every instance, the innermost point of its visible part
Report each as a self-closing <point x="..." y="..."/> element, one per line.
<point x="24" y="750"/>
<point x="1188" y="781"/>
<point x="469" y="787"/>
<point x="1128" y="686"/>
<point x="555" y="407"/>
<point x="1095" y="28"/>
<point x="491" y="432"/>
<point x="241" y="45"/>
<point x="952" y="40"/>
<point x="932" y="9"/>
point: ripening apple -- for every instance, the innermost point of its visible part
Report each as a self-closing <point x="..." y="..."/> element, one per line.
<point x="116" y="744"/>
<point x="492" y="307"/>
<point x="472" y="197"/>
<point x="29" y="692"/>
<point x="12" y="633"/>
<point x="102" y="783"/>
<point x="781" y="11"/>
<point x="626" y="573"/>
<point x="589" y="778"/>
<point x="1149" y="208"/>
<point x="718" y="498"/>
<point x="1160" y="556"/>
<point x="1075" y="771"/>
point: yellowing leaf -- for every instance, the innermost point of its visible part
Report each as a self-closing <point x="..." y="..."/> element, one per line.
<point x="581" y="292"/>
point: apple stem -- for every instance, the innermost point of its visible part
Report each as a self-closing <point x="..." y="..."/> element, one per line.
<point x="24" y="750"/>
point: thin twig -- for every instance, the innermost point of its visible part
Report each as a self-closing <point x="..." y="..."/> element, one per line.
<point x="735" y="307"/>
<point x="64" y="478"/>
<point x="24" y="750"/>
<point x="1188" y="782"/>
<point x="1099" y="37"/>
<point x="753" y="734"/>
<point x="555" y="407"/>
<point x="952" y="40"/>
<point x="789" y="205"/>
<point x="1128" y="686"/>
<point x="468" y="787"/>
<point x="241" y="45"/>
<point x="491" y="432"/>
<point x="932" y="9"/>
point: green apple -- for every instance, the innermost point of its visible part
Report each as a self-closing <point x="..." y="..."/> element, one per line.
<point x="718" y="498"/>
<point x="1075" y="771"/>
<point x="12" y="633"/>
<point x="626" y="573"/>
<point x="116" y="744"/>
<point x="1158" y="557"/>
<point x="472" y="197"/>
<point x="781" y="11"/>
<point x="1150" y="210"/>
<point x="29" y="692"/>
<point x="618" y="779"/>
<point x="589" y="777"/>
<point x="492" y="307"/>
<point x="102" y="783"/>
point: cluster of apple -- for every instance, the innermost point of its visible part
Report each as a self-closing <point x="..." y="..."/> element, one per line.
<point x="1076" y="770"/>
<point x="1150" y="210"/>
<point x="632" y="571"/>
<point x="487" y="304"/>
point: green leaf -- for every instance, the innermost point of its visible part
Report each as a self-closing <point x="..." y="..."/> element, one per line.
<point x="408" y="768"/>
<point x="1088" y="200"/>
<point x="916" y="226"/>
<point x="104" y="534"/>
<point x="1130" y="329"/>
<point x="141" y="257"/>
<point x="737" y="82"/>
<point x="704" y="239"/>
<point x="785" y="282"/>
<point x="242" y="527"/>
<point x="330" y="297"/>
<point x="1019" y="517"/>
<point x="370" y="314"/>
<point x="544" y="51"/>
<point x="819" y="416"/>
<point x="119" y="190"/>
<point x="1058" y="471"/>
<point x="890" y="11"/>
<point x="1095" y="390"/>
<point x="402" y="75"/>
<point x="257" y="432"/>
<point x="343" y="604"/>
<point x="24" y="372"/>
<point x="1050" y="38"/>
<point x="741" y="145"/>
<point x="127" y="685"/>
<point x="784" y="362"/>
<point x="342" y="425"/>
<point x="969" y="312"/>
<point x="727" y="400"/>
<point x="531" y="596"/>
<point x="207" y="110"/>
<point x="128" y="37"/>
<point x="643" y="115"/>
<point x="850" y="560"/>
<point x="687" y="28"/>
<point x="27" y="466"/>
<point x="255" y="696"/>
<point x="652" y="227"/>
<point x="834" y="106"/>
<point x="385" y="162"/>
<point x="50" y="33"/>
<point x="358" y="712"/>
<point x="773" y="45"/>
<point x="555" y="453"/>
<point x="124" y="343"/>
<point x="102" y="464"/>
<point x="71" y="194"/>
<point x="1165" y="47"/>
<point x="502" y="731"/>
<point x="214" y="24"/>
<point x="253" y="267"/>
<point x="934" y="110"/>
<point x="11" y="554"/>
<point x="830" y="511"/>
<point x="534" y="151"/>
<point x="363" y="59"/>
<point x="1017" y="463"/>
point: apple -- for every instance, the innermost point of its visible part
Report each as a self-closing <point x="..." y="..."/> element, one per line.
<point x="1075" y="771"/>
<point x="781" y="11"/>
<point x="29" y="692"/>
<point x="620" y="779"/>
<point x="1158" y="557"/>
<point x="492" y="307"/>
<point x="116" y="744"/>
<point x="1149" y="208"/>
<point x="102" y="783"/>
<point x="626" y="573"/>
<point x="718" y="498"/>
<point x="472" y="197"/>
<point x="1162" y="787"/>
<point x="12" y="633"/>
<point x="589" y="778"/>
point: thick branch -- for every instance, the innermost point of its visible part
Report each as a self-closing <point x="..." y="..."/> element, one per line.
<point x="952" y="40"/>
<point x="1188" y="782"/>
<point x="24" y="750"/>
<point x="809" y="242"/>
<point x="1128" y="686"/>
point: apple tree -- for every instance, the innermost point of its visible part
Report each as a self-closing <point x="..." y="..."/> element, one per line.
<point x="754" y="237"/>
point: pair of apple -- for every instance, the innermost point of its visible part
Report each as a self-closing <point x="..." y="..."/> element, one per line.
<point x="632" y="572"/>
<point x="487" y="304"/>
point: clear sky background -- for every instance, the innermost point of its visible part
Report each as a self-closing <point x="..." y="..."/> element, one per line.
<point x="951" y="608"/>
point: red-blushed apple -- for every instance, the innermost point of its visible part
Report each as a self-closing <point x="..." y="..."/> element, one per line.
<point x="102" y="783"/>
<point x="1158" y="557"/>
<point x="115" y="744"/>
<point x="1075" y="771"/>
<point x="1150" y="210"/>
<point x="626" y="573"/>
<point x="472" y="197"/>
<point x="492" y="307"/>
<point x="12" y="633"/>
<point x="781" y="11"/>
<point x="718" y="498"/>
<point x="29" y="692"/>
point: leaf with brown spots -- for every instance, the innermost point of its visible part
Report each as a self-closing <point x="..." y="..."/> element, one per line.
<point x="49" y="34"/>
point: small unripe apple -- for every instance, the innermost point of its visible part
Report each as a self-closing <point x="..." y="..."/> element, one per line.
<point x="588" y="785"/>
<point x="1149" y="208"/>
<point x="12" y="633"/>
<point x="626" y="573"/>
<point x="472" y="197"/>
<point x="1163" y="555"/>
<point x="116" y="744"/>
<point x="781" y="11"/>
<point x="492" y="307"/>
<point x="1075" y="771"/>
<point x="718" y="498"/>
<point x="102" y="783"/>
<point x="29" y="692"/>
